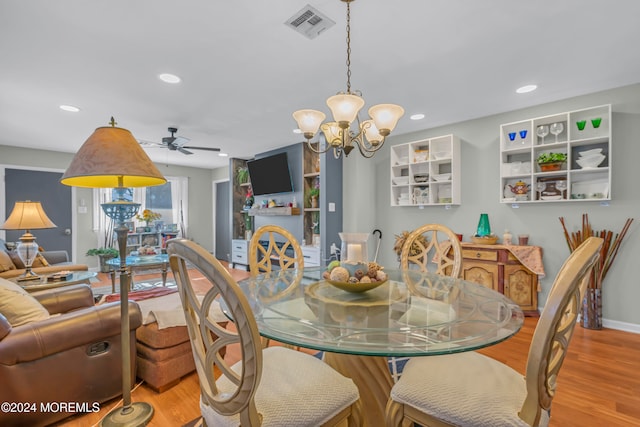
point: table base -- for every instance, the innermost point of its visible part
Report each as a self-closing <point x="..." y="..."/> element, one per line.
<point x="371" y="375"/>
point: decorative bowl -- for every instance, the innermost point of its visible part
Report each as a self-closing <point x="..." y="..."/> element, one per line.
<point x="588" y="153"/>
<point x="356" y="288"/>
<point x="442" y="177"/>
<point x="439" y="155"/>
<point x="421" y="177"/>
<point x="401" y="180"/>
<point x="485" y="240"/>
<point x="591" y="161"/>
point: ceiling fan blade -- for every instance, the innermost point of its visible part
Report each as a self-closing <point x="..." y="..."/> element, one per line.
<point x="203" y="148"/>
<point x="183" y="151"/>
<point x="179" y="141"/>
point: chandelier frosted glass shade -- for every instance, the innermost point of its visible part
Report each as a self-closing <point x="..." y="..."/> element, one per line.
<point x="385" y="117"/>
<point x="309" y="121"/>
<point x="345" y="108"/>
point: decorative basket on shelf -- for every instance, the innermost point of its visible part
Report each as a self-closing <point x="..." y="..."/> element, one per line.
<point x="484" y="240"/>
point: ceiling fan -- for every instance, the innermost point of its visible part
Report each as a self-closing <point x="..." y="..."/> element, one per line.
<point x="177" y="143"/>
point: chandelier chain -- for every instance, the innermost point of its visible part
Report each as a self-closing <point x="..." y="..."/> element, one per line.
<point x="348" y="47"/>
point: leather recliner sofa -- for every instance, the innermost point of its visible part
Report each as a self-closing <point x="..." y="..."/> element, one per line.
<point x="74" y="357"/>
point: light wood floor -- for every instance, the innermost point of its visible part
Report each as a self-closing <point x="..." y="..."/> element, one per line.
<point x="599" y="384"/>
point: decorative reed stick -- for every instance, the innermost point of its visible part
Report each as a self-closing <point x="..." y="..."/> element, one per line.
<point x="608" y="251"/>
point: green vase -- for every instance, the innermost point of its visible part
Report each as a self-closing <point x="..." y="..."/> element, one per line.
<point x="484" y="229"/>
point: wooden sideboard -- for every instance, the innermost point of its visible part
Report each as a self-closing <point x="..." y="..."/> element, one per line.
<point x="496" y="267"/>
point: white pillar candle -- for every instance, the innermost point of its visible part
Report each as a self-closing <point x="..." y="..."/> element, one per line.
<point x="354" y="252"/>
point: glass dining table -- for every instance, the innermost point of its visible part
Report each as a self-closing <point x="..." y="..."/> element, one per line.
<point x="412" y="314"/>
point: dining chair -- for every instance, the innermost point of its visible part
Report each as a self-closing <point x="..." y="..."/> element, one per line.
<point x="432" y="247"/>
<point x="279" y="244"/>
<point x="472" y="390"/>
<point x="275" y="386"/>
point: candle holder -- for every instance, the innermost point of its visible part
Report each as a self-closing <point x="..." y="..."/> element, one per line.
<point x="353" y="249"/>
<point x="484" y="229"/>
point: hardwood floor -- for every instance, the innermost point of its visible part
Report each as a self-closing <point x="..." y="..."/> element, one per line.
<point x="599" y="384"/>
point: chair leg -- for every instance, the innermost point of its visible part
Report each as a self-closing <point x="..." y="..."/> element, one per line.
<point x="394" y="415"/>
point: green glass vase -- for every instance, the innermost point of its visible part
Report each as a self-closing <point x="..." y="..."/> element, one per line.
<point x="484" y="229"/>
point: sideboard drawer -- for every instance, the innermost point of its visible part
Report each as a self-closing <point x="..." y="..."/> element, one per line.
<point x="481" y="255"/>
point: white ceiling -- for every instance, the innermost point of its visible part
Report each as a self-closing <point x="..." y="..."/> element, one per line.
<point x="244" y="72"/>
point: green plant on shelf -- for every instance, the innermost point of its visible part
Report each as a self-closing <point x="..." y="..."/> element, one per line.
<point x="551" y="158"/>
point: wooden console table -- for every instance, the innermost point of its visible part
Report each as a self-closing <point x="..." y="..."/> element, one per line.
<point x="510" y="270"/>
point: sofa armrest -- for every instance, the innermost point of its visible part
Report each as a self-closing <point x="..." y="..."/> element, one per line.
<point x="37" y="340"/>
<point x="55" y="257"/>
<point x="5" y="326"/>
<point x="65" y="298"/>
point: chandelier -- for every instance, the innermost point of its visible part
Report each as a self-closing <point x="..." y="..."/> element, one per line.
<point x="369" y="135"/>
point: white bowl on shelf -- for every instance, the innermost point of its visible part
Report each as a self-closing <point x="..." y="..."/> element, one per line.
<point x="401" y="180"/>
<point x="442" y="177"/>
<point x="439" y="155"/>
<point x="589" y="153"/>
<point x="591" y="161"/>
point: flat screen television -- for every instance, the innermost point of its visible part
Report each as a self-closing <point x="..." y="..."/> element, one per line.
<point x="270" y="175"/>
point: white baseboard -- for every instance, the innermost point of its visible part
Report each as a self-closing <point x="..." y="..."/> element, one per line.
<point x="622" y="326"/>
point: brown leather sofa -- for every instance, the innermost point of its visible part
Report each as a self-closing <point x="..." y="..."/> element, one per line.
<point x="74" y="357"/>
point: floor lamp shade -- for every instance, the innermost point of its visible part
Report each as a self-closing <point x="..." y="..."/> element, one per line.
<point x="27" y="216"/>
<point x="112" y="158"/>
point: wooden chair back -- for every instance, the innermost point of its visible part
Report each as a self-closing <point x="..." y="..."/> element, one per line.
<point x="433" y="247"/>
<point x="208" y="338"/>
<point x="555" y="329"/>
<point x="279" y="241"/>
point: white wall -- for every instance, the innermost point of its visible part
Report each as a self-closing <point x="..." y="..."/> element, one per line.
<point x="480" y="189"/>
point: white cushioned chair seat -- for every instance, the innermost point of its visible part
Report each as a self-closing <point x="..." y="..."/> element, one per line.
<point x="465" y="389"/>
<point x="288" y="392"/>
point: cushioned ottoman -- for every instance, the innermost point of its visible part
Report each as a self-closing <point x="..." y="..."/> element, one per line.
<point x="163" y="355"/>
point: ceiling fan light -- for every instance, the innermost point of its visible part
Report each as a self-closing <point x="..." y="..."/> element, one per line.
<point x="309" y="121"/>
<point x="386" y="116"/>
<point x="332" y="133"/>
<point x="371" y="132"/>
<point x="345" y="107"/>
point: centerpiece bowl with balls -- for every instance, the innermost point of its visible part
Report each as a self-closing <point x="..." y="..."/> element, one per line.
<point x="355" y="277"/>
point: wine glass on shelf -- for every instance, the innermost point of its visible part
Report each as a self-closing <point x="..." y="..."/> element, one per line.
<point x="556" y="129"/>
<point x="561" y="185"/>
<point x="540" y="186"/>
<point x="542" y="131"/>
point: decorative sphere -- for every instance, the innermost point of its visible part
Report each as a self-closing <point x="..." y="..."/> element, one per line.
<point x="339" y="274"/>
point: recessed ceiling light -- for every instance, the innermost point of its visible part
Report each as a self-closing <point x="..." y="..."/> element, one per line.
<point x="69" y="108"/>
<point x="526" y="89"/>
<point x="223" y="155"/>
<point x="417" y="116"/>
<point x="169" y="78"/>
<point x="297" y="131"/>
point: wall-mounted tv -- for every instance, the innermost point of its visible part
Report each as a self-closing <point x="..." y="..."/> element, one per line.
<point x="270" y="175"/>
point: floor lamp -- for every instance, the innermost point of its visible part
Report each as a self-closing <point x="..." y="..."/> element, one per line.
<point x="112" y="158"/>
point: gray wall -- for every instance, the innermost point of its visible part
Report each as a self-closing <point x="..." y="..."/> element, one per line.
<point x="200" y="196"/>
<point x="480" y="189"/>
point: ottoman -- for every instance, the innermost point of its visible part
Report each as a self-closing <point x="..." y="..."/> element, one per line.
<point x="163" y="355"/>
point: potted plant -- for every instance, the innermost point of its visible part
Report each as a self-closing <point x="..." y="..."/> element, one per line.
<point x="312" y="197"/>
<point x="148" y="216"/>
<point x="242" y="175"/>
<point x="104" y="255"/>
<point x="551" y="161"/>
<point x="415" y="247"/>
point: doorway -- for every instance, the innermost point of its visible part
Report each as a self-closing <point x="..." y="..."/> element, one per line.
<point x="222" y="221"/>
<point x="43" y="187"/>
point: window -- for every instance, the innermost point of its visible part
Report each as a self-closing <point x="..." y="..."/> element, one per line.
<point x="170" y="200"/>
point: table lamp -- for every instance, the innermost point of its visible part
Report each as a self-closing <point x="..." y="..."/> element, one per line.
<point x="112" y="158"/>
<point x="27" y="216"/>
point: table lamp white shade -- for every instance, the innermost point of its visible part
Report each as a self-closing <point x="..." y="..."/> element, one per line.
<point x="27" y="215"/>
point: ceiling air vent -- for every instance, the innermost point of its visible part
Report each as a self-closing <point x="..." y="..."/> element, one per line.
<point x="309" y="22"/>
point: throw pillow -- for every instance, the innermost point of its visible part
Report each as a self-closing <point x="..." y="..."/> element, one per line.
<point x="39" y="261"/>
<point x="18" y="306"/>
<point x="16" y="259"/>
<point x="5" y="262"/>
